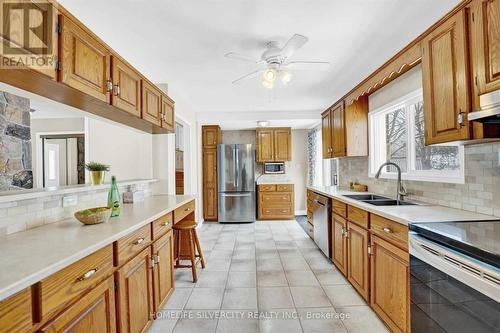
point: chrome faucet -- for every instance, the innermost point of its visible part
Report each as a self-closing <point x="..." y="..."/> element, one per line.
<point x="401" y="191"/>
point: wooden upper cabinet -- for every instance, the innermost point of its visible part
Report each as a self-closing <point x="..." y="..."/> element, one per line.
<point x="126" y="87"/>
<point x="85" y="62"/>
<point x="94" y="312"/>
<point x="151" y="103"/>
<point x="338" y="130"/>
<point x="356" y="127"/>
<point x="339" y="243"/>
<point x="265" y="146"/>
<point x="390" y="284"/>
<point x="168" y="113"/>
<point x="446" y="81"/>
<point x="282" y="144"/>
<point x="13" y="32"/>
<point x="326" y="133"/>
<point x="211" y="136"/>
<point x="485" y="47"/>
<point x="135" y="293"/>
<point x="163" y="272"/>
<point x="358" y="261"/>
<point x="274" y="144"/>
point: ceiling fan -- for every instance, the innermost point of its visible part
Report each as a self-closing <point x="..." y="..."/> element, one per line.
<point x="275" y="62"/>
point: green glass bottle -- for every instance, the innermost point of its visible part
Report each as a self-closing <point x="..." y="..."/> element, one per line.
<point x="114" y="198"/>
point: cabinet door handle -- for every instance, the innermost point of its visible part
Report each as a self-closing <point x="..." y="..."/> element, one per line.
<point x="116" y="90"/>
<point x="460" y="118"/>
<point x="187" y="209"/>
<point x="387" y="230"/>
<point x="87" y="275"/>
<point x="109" y="86"/>
<point x="166" y="224"/>
<point x="138" y="241"/>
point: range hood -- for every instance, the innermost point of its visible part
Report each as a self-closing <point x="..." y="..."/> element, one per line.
<point x="489" y="111"/>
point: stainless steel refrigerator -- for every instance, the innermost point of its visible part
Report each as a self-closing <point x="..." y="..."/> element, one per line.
<point x="236" y="183"/>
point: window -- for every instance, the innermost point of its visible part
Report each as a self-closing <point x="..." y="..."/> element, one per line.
<point x="397" y="135"/>
<point x="315" y="168"/>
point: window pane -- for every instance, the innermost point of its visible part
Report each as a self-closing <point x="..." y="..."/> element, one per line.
<point x="396" y="139"/>
<point x="431" y="158"/>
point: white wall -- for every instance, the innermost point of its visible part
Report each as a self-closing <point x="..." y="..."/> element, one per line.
<point x="126" y="150"/>
<point x="53" y="126"/>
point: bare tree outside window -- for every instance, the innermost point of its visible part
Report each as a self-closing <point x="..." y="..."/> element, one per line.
<point x="431" y="158"/>
<point x="396" y="139"/>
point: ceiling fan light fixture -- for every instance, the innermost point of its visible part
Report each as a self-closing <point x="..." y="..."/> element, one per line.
<point x="285" y="77"/>
<point x="269" y="75"/>
<point x="268" y="84"/>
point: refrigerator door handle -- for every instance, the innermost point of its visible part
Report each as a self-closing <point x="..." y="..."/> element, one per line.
<point x="237" y="163"/>
<point x="236" y="194"/>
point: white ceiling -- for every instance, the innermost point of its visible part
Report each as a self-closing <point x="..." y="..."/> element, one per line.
<point x="183" y="42"/>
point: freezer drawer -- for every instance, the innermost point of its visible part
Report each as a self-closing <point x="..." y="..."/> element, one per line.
<point x="236" y="207"/>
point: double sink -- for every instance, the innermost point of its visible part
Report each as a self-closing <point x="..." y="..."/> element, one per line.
<point x="378" y="200"/>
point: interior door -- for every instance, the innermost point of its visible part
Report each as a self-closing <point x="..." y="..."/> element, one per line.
<point x="54" y="160"/>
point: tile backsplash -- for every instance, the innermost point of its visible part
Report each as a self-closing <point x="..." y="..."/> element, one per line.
<point x="480" y="193"/>
<point x="22" y="215"/>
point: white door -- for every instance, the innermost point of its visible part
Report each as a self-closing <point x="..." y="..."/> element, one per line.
<point x="51" y="165"/>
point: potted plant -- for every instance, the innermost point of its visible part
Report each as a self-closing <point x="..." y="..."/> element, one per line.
<point x="97" y="171"/>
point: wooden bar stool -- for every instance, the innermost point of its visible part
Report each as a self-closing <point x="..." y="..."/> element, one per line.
<point x="194" y="245"/>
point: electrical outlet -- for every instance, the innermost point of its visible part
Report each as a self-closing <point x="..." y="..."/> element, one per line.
<point x="69" y="201"/>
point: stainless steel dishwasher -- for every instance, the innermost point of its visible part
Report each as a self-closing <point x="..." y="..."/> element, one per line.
<point x="320" y="222"/>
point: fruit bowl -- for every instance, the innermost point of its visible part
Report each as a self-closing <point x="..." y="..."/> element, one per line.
<point x="93" y="215"/>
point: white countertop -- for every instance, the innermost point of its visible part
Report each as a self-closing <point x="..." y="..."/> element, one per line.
<point x="404" y="214"/>
<point x="273" y="179"/>
<point x="30" y="256"/>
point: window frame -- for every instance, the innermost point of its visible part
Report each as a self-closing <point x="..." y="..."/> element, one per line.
<point x="377" y="150"/>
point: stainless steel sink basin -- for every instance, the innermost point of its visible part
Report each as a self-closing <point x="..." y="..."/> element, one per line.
<point x="389" y="202"/>
<point x="363" y="197"/>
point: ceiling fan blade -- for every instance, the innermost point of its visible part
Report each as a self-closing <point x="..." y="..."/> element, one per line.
<point x="247" y="76"/>
<point x="242" y="57"/>
<point x="308" y="65"/>
<point x="293" y="44"/>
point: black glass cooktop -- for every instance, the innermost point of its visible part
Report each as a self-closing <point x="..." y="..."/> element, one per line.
<point x="478" y="239"/>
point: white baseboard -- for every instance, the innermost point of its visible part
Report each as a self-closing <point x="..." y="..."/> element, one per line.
<point x="300" y="212"/>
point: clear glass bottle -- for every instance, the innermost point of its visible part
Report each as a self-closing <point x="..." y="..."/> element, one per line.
<point x="114" y="198"/>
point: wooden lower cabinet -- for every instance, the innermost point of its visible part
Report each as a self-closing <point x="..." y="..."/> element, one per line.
<point x="357" y="259"/>
<point x="339" y="243"/>
<point x="163" y="271"/>
<point x="390" y="284"/>
<point x="276" y="202"/>
<point x="93" y="313"/>
<point x="135" y="294"/>
<point x="16" y="313"/>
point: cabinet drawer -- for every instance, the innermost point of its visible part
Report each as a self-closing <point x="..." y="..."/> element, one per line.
<point x="358" y="216"/>
<point x="62" y="287"/>
<point x="128" y="246"/>
<point x="310" y="195"/>
<point x="183" y="211"/>
<point x="339" y="208"/>
<point x="284" y="188"/>
<point x="267" y="188"/>
<point x="162" y="225"/>
<point x="276" y="212"/>
<point x="391" y="231"/>
<point x="273" y="199"/>
<point x="15" y="313"/>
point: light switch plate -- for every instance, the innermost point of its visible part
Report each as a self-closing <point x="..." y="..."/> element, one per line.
<point x="70" y="200"/>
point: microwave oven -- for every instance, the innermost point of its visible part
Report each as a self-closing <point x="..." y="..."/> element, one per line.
<point x="274" y="168"/>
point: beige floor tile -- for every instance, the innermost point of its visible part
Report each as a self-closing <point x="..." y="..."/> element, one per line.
<point x="243" y="265"/>
<point x="271" y="279"/>
<point x="273" y="264"/>
<point x="178" y="299"/>
<point x="294" y="264"/>
<point x="286" y="322"/>
<point x="274" y="298"/>
<point x="301" y="278"/>
<point x="211" y="279"/>
<point x="205" y="298"/>
<point x="241" y="280"/>
<point x="321" y="320"/>
<point x="309" y="297"/>
<point x="361" y="319"/>
<point x="330" y="277"/>
<point x="343" y="295"/>
<point x="240" y="298"/>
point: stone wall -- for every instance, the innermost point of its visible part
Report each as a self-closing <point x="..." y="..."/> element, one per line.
<point x="15" y="143"/>
<point x="480" y="193"/>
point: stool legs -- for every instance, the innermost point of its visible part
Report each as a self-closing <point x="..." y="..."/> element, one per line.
<point x="192" y="254"/>
<point x="197" y="243"/>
